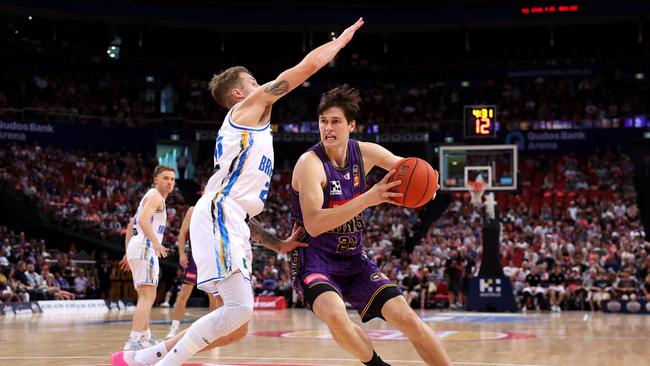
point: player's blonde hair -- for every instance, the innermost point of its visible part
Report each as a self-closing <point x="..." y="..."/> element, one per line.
<point x="163" y="168"/>
<point x="221" y="85"/>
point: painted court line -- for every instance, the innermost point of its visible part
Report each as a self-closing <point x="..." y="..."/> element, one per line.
<point x="265" y="359"/>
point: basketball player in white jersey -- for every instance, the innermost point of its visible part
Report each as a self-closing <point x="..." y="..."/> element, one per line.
<point x="189" y="278"/>
<point x="144" y="235"/>
<point x="236" y="191"/>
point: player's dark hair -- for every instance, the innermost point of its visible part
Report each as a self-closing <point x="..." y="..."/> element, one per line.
<point x="344" y="97"/>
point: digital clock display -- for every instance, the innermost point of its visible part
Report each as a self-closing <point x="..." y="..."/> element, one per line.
<point x="480" y="121"/>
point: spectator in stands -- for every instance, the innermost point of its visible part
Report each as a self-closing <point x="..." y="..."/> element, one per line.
<point x="556" y="290"/>
<point x="599" y="291"/>
<point x="533" y="292"/>
<point x="626" y="286"/>
<point x="81" y="283"/>
<point x="4" y="262"/>
<point x="411" y="286"/>
<point x="35" y="282"/>
<point x="645" y="288"/>
<point x="454" y="270"/>
<point x="104" y="274"/>
<point x="181" y="164"/>
<point x="6" y="292"/>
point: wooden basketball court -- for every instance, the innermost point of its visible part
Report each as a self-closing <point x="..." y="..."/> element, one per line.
<point x="295" y="337"/>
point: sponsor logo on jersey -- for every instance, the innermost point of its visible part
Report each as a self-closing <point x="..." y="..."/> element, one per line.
<point x="347" y="176"/>
<point x="355" y="173"/>
<point x="315" y="276"/>
<point x="161" y="229"/>
<point x="378" y="276"/>
<point x="336" y="188"/>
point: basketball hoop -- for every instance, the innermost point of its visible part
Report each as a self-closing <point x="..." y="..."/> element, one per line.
<point x="476" y="190"/>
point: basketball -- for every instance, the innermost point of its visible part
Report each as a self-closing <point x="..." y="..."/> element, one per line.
<point x="419" y="182"/>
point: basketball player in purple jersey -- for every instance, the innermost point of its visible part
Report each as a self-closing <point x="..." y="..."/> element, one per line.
<point x="328" y="200"/>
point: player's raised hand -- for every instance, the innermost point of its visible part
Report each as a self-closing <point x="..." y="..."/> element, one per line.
<point x="347" y="34"/>
<point x="382" y="191"/>
<point x="160" y="250"/>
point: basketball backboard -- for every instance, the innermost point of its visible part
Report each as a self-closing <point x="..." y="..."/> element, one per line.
<point x="496" y="165"/>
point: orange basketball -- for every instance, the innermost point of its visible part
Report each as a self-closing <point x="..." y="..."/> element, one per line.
<point x="419" y="182"/>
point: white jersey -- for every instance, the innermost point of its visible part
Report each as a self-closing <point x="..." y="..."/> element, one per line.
<point x="243" y="160"/>
<point x="158" y="222"/>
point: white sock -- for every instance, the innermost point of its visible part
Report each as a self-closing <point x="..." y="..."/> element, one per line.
<point x="147" y="334"/>
<point x="136" y="335"/>
<point x="182" y="351"/>
<point x="176" y="324"/>
<point x="151" y="355"/>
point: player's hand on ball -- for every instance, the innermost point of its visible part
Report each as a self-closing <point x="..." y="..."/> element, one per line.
<point x="160" y="250"/>
<point x="182" y="260"/>
<point x="382" y="191"/>
<point x="124" y="264"/>
<point x="292" y="242"/>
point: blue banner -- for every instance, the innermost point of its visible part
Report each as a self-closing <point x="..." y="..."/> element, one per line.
<point x="75" y="136"/>
<point x="565" y="141"/>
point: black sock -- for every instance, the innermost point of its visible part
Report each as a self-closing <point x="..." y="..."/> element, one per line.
<point x="376" y="360"/>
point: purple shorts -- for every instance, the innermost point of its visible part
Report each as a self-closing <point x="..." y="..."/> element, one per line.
<point x="190" y="272"/>
<point x="367" y="291"/>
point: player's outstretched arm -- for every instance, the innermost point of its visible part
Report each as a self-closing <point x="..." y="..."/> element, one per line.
<point x="307" y="178"/>
<point x="253" y="107"/>
<point x="270" y="241"/>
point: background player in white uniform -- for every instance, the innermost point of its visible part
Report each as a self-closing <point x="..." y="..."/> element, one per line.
<point x="237" y="190"/>
<point x="144" y="236"/>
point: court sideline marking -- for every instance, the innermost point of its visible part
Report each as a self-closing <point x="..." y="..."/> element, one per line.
<point x="264" y="359"/>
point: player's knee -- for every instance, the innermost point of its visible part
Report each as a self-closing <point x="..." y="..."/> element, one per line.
<point x="336" y="319"/>
<point x="407" y="320"/>
<point x="238" y="313"/>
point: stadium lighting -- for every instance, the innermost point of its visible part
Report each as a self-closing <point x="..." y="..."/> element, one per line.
<point x="16" y="31"/>
<point x="639" y="76"/>
<point x="30" y="17"/>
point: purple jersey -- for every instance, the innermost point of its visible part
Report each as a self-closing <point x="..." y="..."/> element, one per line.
<point x="338" y="251"/>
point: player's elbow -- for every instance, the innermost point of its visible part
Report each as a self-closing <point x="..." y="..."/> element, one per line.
<point x="312" y="228"/>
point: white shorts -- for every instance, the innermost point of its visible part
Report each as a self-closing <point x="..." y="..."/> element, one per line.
<point x="220" y="240"/>
<point x="558" y="288"/>
<point x="143" y="262"/>
<point x="534" y="290"/>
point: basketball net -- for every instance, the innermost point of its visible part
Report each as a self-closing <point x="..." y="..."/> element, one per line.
<point x="476" y="190"/>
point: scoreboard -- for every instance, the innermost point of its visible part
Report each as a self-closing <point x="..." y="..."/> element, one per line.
<point x="480" y="121"/>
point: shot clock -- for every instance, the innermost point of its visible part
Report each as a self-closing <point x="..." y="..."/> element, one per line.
<point x="480" y="121"/>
